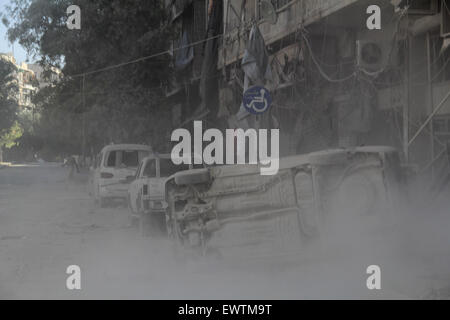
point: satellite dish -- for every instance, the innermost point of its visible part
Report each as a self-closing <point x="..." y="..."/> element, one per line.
<point x="267" y="12"/>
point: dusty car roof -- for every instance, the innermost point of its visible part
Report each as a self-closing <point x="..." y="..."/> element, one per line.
<point x="300" y="160"/>
<point x="296" y="160"/>
<point x="114" y="147"/>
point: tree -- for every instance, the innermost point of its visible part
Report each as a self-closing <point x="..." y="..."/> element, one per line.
<point x="123" y="104"/>
<point x="9" y="137"/>
<point x="9" y="128"/>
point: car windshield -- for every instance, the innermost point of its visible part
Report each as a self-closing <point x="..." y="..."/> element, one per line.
<point x="125" y="158"/>
<point x="150" y="169"/>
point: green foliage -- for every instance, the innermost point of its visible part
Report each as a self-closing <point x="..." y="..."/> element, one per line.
<point x="9" y="137"/>
<point x="8" y="91"/>
<point x="121" y="105"/>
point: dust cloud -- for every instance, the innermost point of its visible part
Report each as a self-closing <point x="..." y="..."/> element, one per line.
<point x="47" y="224"/>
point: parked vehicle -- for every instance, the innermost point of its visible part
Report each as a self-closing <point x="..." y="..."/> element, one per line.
<point x="114" y="165"/>
<point x="234" y="206"/>
<point x="146" y="194"/>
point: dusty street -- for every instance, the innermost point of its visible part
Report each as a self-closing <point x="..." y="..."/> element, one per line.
<point x="47" y="224"/>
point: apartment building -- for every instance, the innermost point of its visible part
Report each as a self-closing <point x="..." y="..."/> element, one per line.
<point x="30" y="78"/>
<point x="334" y="81"/>
<point x="45" y="77"/>
<point x="26" y="82"/>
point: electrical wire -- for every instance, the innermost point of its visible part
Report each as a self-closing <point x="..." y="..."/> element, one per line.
<point x="188" y="46"/>
<point x="314" y="59"/>
<point x="147" y="89"/>
<point x="416" y="75"/>
<point x="359" y="68"/>
<point x="446" y="6"/>
<point x="319" y="68"/>
<point x="143" y="58"/>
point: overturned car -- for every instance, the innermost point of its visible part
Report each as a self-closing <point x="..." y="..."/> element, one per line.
<point x="234" y="206"/>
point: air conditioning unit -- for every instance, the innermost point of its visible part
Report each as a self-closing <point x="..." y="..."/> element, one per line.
<point x="372" y="55"/>
<point x="445" y="18"/>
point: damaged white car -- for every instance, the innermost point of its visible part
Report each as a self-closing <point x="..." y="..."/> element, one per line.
<point x="235" y="206"/>
<point x="146" y="193"/>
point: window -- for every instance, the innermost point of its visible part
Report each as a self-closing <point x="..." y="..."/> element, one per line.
<point x="441" y="125"/>
<point x="268" y="9"/>
<point x="125" y="158"/>
<point x="130" y="159"/>
<point x="422" y="6"/>
<point x="150" y="169"/>
<point x="111" y="159"/>
<point x="439" y="66"/>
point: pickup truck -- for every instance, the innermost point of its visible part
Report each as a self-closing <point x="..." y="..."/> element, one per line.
<point x="214" y="209"/>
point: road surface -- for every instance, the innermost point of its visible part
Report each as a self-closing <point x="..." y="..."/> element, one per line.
<point x="48" y="224"/>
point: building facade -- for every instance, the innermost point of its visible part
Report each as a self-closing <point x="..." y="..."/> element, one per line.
<point x="30" y="78"/>
<point x="334" y="81"/>
<point x="45" y="77"/>
<point x="26" y="82"/>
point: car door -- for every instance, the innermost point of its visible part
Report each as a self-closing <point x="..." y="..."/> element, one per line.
<point x="165" y="169"/>
<point x="150" y="172"/>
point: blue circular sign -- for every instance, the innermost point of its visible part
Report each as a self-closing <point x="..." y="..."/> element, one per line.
<point x="257" y="100"/>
